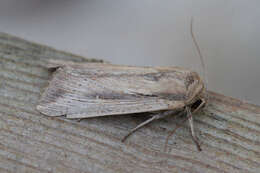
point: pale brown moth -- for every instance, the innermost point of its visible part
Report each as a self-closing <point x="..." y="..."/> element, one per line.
<point x="83" y="90"/>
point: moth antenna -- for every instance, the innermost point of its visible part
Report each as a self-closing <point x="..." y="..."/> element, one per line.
<point x="200" y="55"/>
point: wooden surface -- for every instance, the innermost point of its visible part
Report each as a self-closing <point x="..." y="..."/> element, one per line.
<point x="228" y="129"/>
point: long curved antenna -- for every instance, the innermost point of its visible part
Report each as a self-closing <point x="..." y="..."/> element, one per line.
<point x="201" y="57"/>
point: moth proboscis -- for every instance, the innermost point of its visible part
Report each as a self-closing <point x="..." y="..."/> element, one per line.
<point x="83" y="90"/>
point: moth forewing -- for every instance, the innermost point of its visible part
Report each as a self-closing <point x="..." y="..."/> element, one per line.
<point x="96" y="89"/>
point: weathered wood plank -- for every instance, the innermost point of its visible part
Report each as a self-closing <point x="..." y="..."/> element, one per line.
<point x="30" y="142"/>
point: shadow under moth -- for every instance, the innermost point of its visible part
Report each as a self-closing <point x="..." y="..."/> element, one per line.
<point x="83" y="90"/>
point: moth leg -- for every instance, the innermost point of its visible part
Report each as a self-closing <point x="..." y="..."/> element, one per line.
<point x="154" y="117"/>
<point x="194" y="137"/>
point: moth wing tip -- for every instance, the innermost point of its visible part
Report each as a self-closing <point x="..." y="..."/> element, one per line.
<point x="39" y="107"/>
<point x="43" y="110"/>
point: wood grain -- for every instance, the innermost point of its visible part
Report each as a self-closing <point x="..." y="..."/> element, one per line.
<point x="228" y="129"/>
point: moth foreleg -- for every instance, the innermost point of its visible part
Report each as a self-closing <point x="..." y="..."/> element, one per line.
<point x="154" y="117"/>
<point x="194" y="137"/>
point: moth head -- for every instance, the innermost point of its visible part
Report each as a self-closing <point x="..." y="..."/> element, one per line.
<point x="196" y="91"/>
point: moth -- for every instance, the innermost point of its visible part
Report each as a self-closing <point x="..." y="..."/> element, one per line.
<point x="96" y="89"/>
<point x="84" y="90"/>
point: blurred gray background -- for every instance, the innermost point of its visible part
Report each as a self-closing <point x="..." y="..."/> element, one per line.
<point x="151" y="33"/>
